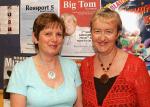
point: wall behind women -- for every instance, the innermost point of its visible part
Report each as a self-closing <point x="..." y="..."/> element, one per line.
<point x="9" y="43"/>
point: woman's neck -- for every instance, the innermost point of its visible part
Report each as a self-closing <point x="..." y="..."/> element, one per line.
<point x="106" y="58"/>
<point x="47" y="59"/>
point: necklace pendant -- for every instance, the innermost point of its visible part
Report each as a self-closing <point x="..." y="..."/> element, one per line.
<point x="51" y="75"/>
<point x="104" y="79"/>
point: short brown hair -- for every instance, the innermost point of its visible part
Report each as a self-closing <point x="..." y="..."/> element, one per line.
<point x="45" y="20"/>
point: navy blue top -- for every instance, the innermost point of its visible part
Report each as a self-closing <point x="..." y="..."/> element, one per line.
<point x="103" y="89"/>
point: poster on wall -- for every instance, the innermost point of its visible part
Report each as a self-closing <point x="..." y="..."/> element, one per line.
<point x="29" y="10"/>
<point x="9" y="62"/>
<point x="9" y="19"/>
<point x="76" y="15"/>
<point x="135" y="15"/>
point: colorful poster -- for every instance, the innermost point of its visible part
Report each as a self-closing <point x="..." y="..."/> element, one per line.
<point x="135" y="15"/>
<point x="77" y="15"/>
<point x="29" y="11"/>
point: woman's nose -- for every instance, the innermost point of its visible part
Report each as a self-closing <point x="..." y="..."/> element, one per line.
<point x="54" y="38"/>
<point x="102" y="37"/>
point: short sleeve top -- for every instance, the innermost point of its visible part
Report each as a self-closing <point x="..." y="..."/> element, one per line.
<point x="26" y="81"/>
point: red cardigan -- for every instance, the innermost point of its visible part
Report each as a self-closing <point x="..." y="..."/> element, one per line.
<point x="130" y="89"/>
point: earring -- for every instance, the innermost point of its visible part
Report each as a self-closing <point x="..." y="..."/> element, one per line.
<point x="35" y="43"/>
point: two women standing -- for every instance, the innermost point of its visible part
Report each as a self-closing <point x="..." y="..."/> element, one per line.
<point x="110" y="78"/>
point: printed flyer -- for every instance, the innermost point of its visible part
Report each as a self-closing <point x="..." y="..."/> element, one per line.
<point x="9" y="19"/>
<point x="29" y="11"/>
<point x="77" y="15"/>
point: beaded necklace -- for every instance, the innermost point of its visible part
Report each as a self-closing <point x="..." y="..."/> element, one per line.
<point x="104" y="78"/>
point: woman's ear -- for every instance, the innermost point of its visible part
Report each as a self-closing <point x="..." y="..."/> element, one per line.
<point x="34" y="39"/>
<point x="119" y="33"/>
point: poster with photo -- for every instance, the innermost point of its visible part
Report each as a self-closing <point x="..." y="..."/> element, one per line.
<point x="77" y="15"/>
<point x="9" y="62"/>
<point x="29" y="10"/>
<point x="135" y="15"/>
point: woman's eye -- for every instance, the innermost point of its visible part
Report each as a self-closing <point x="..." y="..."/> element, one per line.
<point x="59" y="34"/>
<point x="97" y="31"/>
<point x="48" y="34"/>
<point x="109" y="32"/>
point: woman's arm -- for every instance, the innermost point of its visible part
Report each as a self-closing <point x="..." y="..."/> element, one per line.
<point x="142" y="84"/>
<point x="78" y="102"/>
<point x="17" y="100"/>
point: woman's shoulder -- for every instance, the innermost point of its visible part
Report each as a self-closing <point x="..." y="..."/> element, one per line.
<point x="129" y="57"/>
<point x="23" y="67"/>
<point x="88" y="59"/>
<point x="66" y="61"/>
<point x="134" y="59"/>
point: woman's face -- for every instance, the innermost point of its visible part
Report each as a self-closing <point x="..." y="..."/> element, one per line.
<point x="50" y="40"/>
<point x="70" y="25"/>
<point x="104" y="35"/>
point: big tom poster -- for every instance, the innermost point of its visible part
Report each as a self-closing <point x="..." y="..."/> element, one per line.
<point x="76" y="15"/>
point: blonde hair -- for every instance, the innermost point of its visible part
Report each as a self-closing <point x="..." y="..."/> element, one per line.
<point x="65" y="15"/>
<point x="107" y="14"/>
